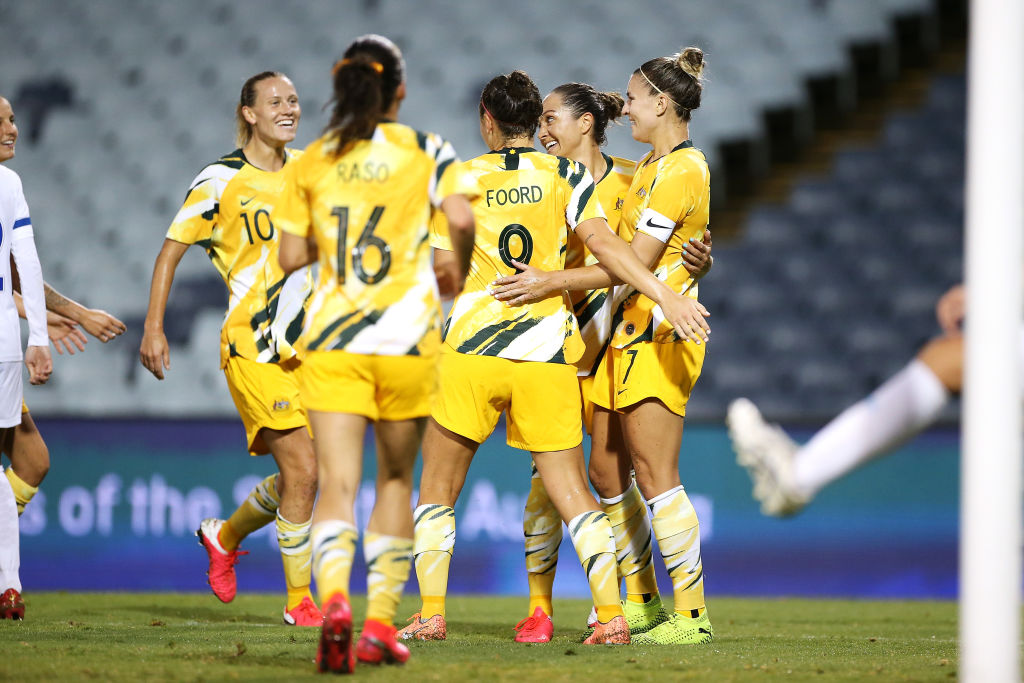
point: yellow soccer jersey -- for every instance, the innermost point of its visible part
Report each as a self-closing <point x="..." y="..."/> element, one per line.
<point x="591" y="307"/>
<point x="528" y="203"/>
<point x="369" y="212"/>
<point x="230" y="212"/>
<point x="668" y="199"/>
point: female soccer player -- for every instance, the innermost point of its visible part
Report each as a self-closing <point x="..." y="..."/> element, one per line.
<point x="649" y="369"/>
<point x="519" y="360"/>
<point x="230" y="212"/>
<point x="16" y="240"/>
<point x="359" y="200"/>
<point x="573" y="124"/>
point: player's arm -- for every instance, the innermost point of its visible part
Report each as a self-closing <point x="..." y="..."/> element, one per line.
<point x="296" y="251"/>
<point x="632" y="265"/>
<point x="452" y="267"/>
<point x="154" y="352"/>
<point x="63" y="332"/>
<point x="30" y="277"/>
<point x="99" y="324"/>
<point x="532" y="284"/>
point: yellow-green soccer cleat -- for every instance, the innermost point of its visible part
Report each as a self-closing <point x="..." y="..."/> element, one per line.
<point x="642" y="617"/>
<point x="679" y="630"/>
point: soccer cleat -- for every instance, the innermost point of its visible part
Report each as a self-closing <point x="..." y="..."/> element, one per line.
<point x="536" y="628"/>
<point x="613" y="632"/>
<point x="377" y="644"/>
<point x="766" y="452"/>
<point x="306" y="613"/>
<point x="679" y="630"/>
<point x="592" y="619"/>
<point x="335" y="653"/>
<point x="433" y="628"/>
<point x="221" y="574"/>
<point x="11" y="605"/>
<point x="642" y="617"/>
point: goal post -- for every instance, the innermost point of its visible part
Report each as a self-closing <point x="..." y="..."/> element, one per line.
<point x="991" y="468"/>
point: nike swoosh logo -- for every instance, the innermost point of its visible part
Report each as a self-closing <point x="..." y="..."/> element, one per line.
<point x="652" y="224"/>
<point x="619" y="392"/>
<point x="704" y="630"/>
<point x="246" y="201"/>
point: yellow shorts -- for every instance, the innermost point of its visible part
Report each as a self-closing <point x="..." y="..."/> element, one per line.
<point x="377" y="387"/>
<point x="542" y="400"/>
<point x="24" y="407"/>
<point x="587" y="397"/>
<point x="644" y="370"/>
<point x="266" y="395"/>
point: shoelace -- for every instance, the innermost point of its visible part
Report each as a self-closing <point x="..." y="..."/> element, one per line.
<point x="234" y="555"/>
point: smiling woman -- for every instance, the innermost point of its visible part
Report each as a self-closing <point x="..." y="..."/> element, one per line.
<point x="230" y="211"/>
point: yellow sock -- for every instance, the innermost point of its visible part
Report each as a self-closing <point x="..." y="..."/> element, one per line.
<point x="388" y="562"/>
<point x="591" y="534"/>
<point x="334" y="548"/>
<point x="296" y="552"/>
<point x="433" y="544"/>
<point x="256" y="511"/>
<point x="542" y="528"/>
<point x="678" y="532"/>
<point x="632" y="528"/>
<point x="23" y="493"/>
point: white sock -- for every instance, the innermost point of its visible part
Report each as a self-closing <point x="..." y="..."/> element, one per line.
<point x="10" y="556"/>
<point x="904" y="405"/>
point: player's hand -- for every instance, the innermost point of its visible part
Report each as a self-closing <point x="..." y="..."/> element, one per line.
<point x="687" y="317"/>
<point x="697" y="256"/>
<point x="155" y="354"/>
<point x="101" y="324"/>
<point x="951" y="309"/>
<point x="528" y="286"/>
<point x="64" y="332"/>
<point x="39" y="363"/>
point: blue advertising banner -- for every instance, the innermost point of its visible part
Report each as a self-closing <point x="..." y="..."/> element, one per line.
<point x="123" y="498"/>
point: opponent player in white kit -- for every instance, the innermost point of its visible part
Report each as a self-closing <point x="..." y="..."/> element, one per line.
<point x="16" y="239"/>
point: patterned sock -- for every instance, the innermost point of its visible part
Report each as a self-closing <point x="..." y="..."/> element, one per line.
<point x="631" y="525"/>
<point x="334" y="548"/>
<point x="388" y="561"/>
<point x="591" y="534"/>
<point x="293" y="540"/>
<point x="256" y="511"/>
<point x="542" y="527"/>
<point x="23" y="493"/>
<point x="433" y="542"/>
<point x="678" y="533"/>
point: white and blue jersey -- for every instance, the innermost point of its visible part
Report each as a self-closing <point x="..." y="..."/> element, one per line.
<point x="16" y="239"/>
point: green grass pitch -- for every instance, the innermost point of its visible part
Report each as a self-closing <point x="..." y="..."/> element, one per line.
<point x="189" y="637"/>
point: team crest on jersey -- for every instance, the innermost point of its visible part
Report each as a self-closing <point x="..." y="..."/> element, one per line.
<point x="282" y="404"/>
<point x="618" y="204"/>
<point x="642" y="192"/>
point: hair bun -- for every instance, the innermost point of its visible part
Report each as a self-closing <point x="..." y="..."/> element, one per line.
<point x="691" y="60"/>
<point x="612" y="103"/>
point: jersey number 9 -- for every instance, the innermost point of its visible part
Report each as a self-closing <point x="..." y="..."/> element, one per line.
<point x="505" y="244"/>
<point x="366" y="240"/>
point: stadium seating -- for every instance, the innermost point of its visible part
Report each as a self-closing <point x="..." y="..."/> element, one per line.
<point x="865" y="249"/>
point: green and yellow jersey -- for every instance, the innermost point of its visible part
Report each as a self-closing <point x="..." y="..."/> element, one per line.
<point x="669" y="200"/>
<point x="528" y="203"/>
<point x="368" y="210"/>
<point x="592" y="307"/>
<point x="230" y="211"/>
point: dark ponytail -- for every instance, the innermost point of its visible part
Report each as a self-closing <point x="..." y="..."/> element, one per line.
<point x="513" y="101"/>
<point x="365" y="82"/>
<point x="580" y="99"/>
